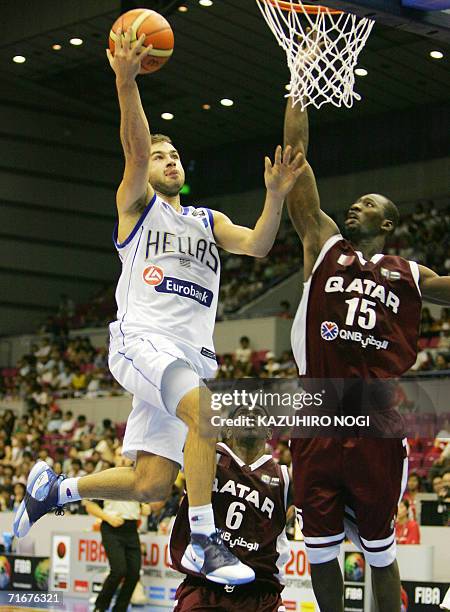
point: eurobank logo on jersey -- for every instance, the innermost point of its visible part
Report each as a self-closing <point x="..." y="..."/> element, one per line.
<point x="186" y="289"/>
<point x="153" y="275"/>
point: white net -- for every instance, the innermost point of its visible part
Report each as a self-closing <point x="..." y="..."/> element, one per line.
<point x="322" y="50"/>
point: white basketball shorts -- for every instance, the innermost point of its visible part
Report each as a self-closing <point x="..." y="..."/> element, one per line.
<point x="138" y="366"/>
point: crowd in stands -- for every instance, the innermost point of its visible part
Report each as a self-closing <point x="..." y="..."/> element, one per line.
<point x="424" y="236"/>
<point x="59" y="367"/>
<point x="247" y="363"/>
<point x="434" y="342"/>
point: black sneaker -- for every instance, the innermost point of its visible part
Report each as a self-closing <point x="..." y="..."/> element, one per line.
<point x="209" y="556"/>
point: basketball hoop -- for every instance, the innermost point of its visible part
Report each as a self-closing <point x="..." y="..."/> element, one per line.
<point x="322" y="46"/>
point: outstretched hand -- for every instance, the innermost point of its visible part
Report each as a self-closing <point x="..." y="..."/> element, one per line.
<point x="282" y="175"/>
<point x="128" y="55"/>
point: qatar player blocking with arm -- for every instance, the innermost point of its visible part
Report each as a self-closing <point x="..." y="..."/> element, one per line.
<point x="249" y="499"/>
<point x="364" y="325"/>
<point x="161" y="345"/>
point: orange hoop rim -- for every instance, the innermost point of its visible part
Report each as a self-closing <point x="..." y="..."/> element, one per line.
<point x="310" y="9"/>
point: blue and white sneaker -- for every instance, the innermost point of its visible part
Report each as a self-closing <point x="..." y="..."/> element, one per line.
<point x="209" y="556"/>
<point x="41" y="496"/>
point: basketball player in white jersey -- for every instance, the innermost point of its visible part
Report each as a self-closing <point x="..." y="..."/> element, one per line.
<point x="161" y="344"/>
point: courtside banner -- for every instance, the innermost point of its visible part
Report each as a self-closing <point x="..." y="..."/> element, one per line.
<point x="424" y="596"/>
<point x="24" y="573"/>
<point x="331" y="408"/>
<point x="89" y="567"/>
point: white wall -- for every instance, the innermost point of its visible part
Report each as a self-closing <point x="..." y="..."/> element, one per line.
<point x="439" y="537"/>
<point x="290" y="289"/>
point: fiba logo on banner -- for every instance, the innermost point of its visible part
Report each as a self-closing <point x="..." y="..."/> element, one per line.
<point x="329" y="330"/>
<point x="153" y="275"/>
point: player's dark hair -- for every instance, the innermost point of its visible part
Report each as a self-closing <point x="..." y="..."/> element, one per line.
<point x="391" y="212"/>
<point x="160" y="138"/>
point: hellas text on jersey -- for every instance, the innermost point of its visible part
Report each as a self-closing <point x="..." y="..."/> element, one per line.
<point x="163" y="243"/>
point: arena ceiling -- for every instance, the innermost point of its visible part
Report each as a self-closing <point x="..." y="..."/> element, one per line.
<point x="221" y="51"/>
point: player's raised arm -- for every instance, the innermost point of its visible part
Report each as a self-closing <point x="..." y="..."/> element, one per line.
<point x="257" y="242"/>
<point x="434" y="288"/>
<point x="313" y="226"/>
<point x="134" y="189"/>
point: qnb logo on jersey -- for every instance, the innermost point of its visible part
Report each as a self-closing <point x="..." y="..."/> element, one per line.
<point x="153" y="275"/>
<point x="329" y="330"/>
<point x="186" y="289"/>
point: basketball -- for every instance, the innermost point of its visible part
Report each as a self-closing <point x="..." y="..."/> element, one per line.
<point x="157" y="32"/>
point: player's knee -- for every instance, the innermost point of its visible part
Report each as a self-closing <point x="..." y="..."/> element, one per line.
<point x="152" y="491"/>
<point x="153" y="477"/>
<point x="379" y="553"/>
<point x="381" y="560"/>
<point x="153" y="486"/>
<point x="179" y="389"/>
<point x="195" y="408"/>
<point x="322" y="555"/>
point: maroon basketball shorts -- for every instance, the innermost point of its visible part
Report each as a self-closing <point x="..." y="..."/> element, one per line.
<point x="349" y="487"/>
<point x="246" y="598"/>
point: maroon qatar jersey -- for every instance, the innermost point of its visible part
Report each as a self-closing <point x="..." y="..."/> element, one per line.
<point x="249" y="503"/>
<point x="357" y="318"/>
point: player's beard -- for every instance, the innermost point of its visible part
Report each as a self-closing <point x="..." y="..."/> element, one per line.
<point x="352" y="233"/>
<point x="165" y="190"/>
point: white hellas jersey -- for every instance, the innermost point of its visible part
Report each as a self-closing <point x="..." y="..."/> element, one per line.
<point x="170" y="277"/>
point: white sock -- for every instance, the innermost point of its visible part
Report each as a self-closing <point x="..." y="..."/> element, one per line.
<point x="68" y="491"/>
<point x="201" y="519"/>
